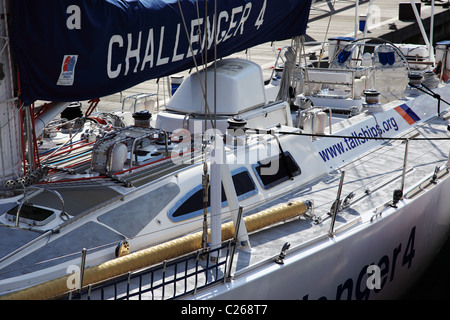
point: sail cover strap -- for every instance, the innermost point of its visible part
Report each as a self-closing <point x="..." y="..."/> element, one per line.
<point x="80" y="50"/>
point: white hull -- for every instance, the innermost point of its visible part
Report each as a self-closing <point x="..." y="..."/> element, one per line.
<point x="402" y="242"/>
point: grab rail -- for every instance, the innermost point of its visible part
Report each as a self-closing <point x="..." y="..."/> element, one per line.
<point x="137" y="97"/>
<point x="42" y="236"/>
<point x="103" y="149"/>
<point x="24" y="199"/>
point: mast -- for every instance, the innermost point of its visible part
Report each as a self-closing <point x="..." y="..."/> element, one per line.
<point x="10" y="114"/>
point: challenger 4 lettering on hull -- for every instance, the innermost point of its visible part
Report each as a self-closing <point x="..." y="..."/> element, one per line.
<point x="374" y="277"/>
<point x="361" y="136"/>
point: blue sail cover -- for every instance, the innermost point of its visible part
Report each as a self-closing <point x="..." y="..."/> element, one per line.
<point x="79" y="50"/>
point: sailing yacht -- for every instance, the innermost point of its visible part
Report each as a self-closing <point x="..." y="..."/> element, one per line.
<point x="321" y="183"/>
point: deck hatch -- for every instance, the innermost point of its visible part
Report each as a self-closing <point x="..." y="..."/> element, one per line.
<point x="276" y="170"/>
<point x="32" y="215"/>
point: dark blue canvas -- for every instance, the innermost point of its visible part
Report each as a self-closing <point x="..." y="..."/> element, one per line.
<point x="79" y="50"/>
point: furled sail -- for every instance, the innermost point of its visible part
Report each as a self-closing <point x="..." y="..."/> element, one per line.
<point x="79" y="50"/>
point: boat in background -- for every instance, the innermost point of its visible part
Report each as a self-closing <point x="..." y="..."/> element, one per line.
<point x="308" y="187"/>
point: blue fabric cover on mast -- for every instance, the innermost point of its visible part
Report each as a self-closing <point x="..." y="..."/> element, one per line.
<point x="79" y="50"/>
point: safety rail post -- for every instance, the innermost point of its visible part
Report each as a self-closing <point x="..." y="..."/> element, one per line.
<point x="336" y="205"/>
<point x="128" y="285"/>
<point x="233" y="247"/>
<point x="448" y="161"/>
<point x="82" y="267"/>
<point x="405" y="159"/>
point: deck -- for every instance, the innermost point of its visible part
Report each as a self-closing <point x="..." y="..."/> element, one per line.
<point x="372" y="178"/>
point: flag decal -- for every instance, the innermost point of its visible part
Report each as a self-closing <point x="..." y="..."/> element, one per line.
<point x="409" y="115"/>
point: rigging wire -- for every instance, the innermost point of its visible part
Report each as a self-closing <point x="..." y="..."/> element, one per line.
<point x="325" y="37"/>
<point x="265" y="131"/>
<point x="193" y="55"/>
